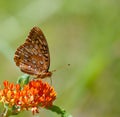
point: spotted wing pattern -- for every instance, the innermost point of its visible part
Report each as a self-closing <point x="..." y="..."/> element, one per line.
<point x="33" y="56"/>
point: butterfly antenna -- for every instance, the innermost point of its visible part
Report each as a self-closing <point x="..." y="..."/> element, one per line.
<point x="55" y="71"/>
<point x="62" y="67"/>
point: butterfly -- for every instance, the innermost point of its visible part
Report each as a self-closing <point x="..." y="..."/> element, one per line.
<point x="33" y="56"/>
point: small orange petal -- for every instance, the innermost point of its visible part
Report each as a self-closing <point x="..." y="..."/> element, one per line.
<point x="11" y="86"/>
<point x="17" y="87"/>
<point x="5" y="83"/>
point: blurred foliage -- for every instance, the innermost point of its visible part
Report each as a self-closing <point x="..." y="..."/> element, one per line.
<point x="84" y="33"/>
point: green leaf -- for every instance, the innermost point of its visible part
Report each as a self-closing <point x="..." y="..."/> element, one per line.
<point x="60" y="111"/>
<point x="23" y="80"/>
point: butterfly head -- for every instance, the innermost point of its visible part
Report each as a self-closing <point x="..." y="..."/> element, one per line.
<point x="44" y="75"/>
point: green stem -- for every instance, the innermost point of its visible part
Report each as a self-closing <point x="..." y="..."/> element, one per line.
<point x="4" y="113"/>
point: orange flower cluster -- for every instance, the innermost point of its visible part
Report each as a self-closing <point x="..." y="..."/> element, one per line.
<point x="32" y="96"/>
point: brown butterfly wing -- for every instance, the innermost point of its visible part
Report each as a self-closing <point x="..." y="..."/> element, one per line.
<point x="33" y="56"/>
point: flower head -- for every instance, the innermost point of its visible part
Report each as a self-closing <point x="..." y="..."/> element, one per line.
<point x="30" y="97"/>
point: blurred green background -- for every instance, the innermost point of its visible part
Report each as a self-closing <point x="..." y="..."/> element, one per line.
<point x="83" y="33"/>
